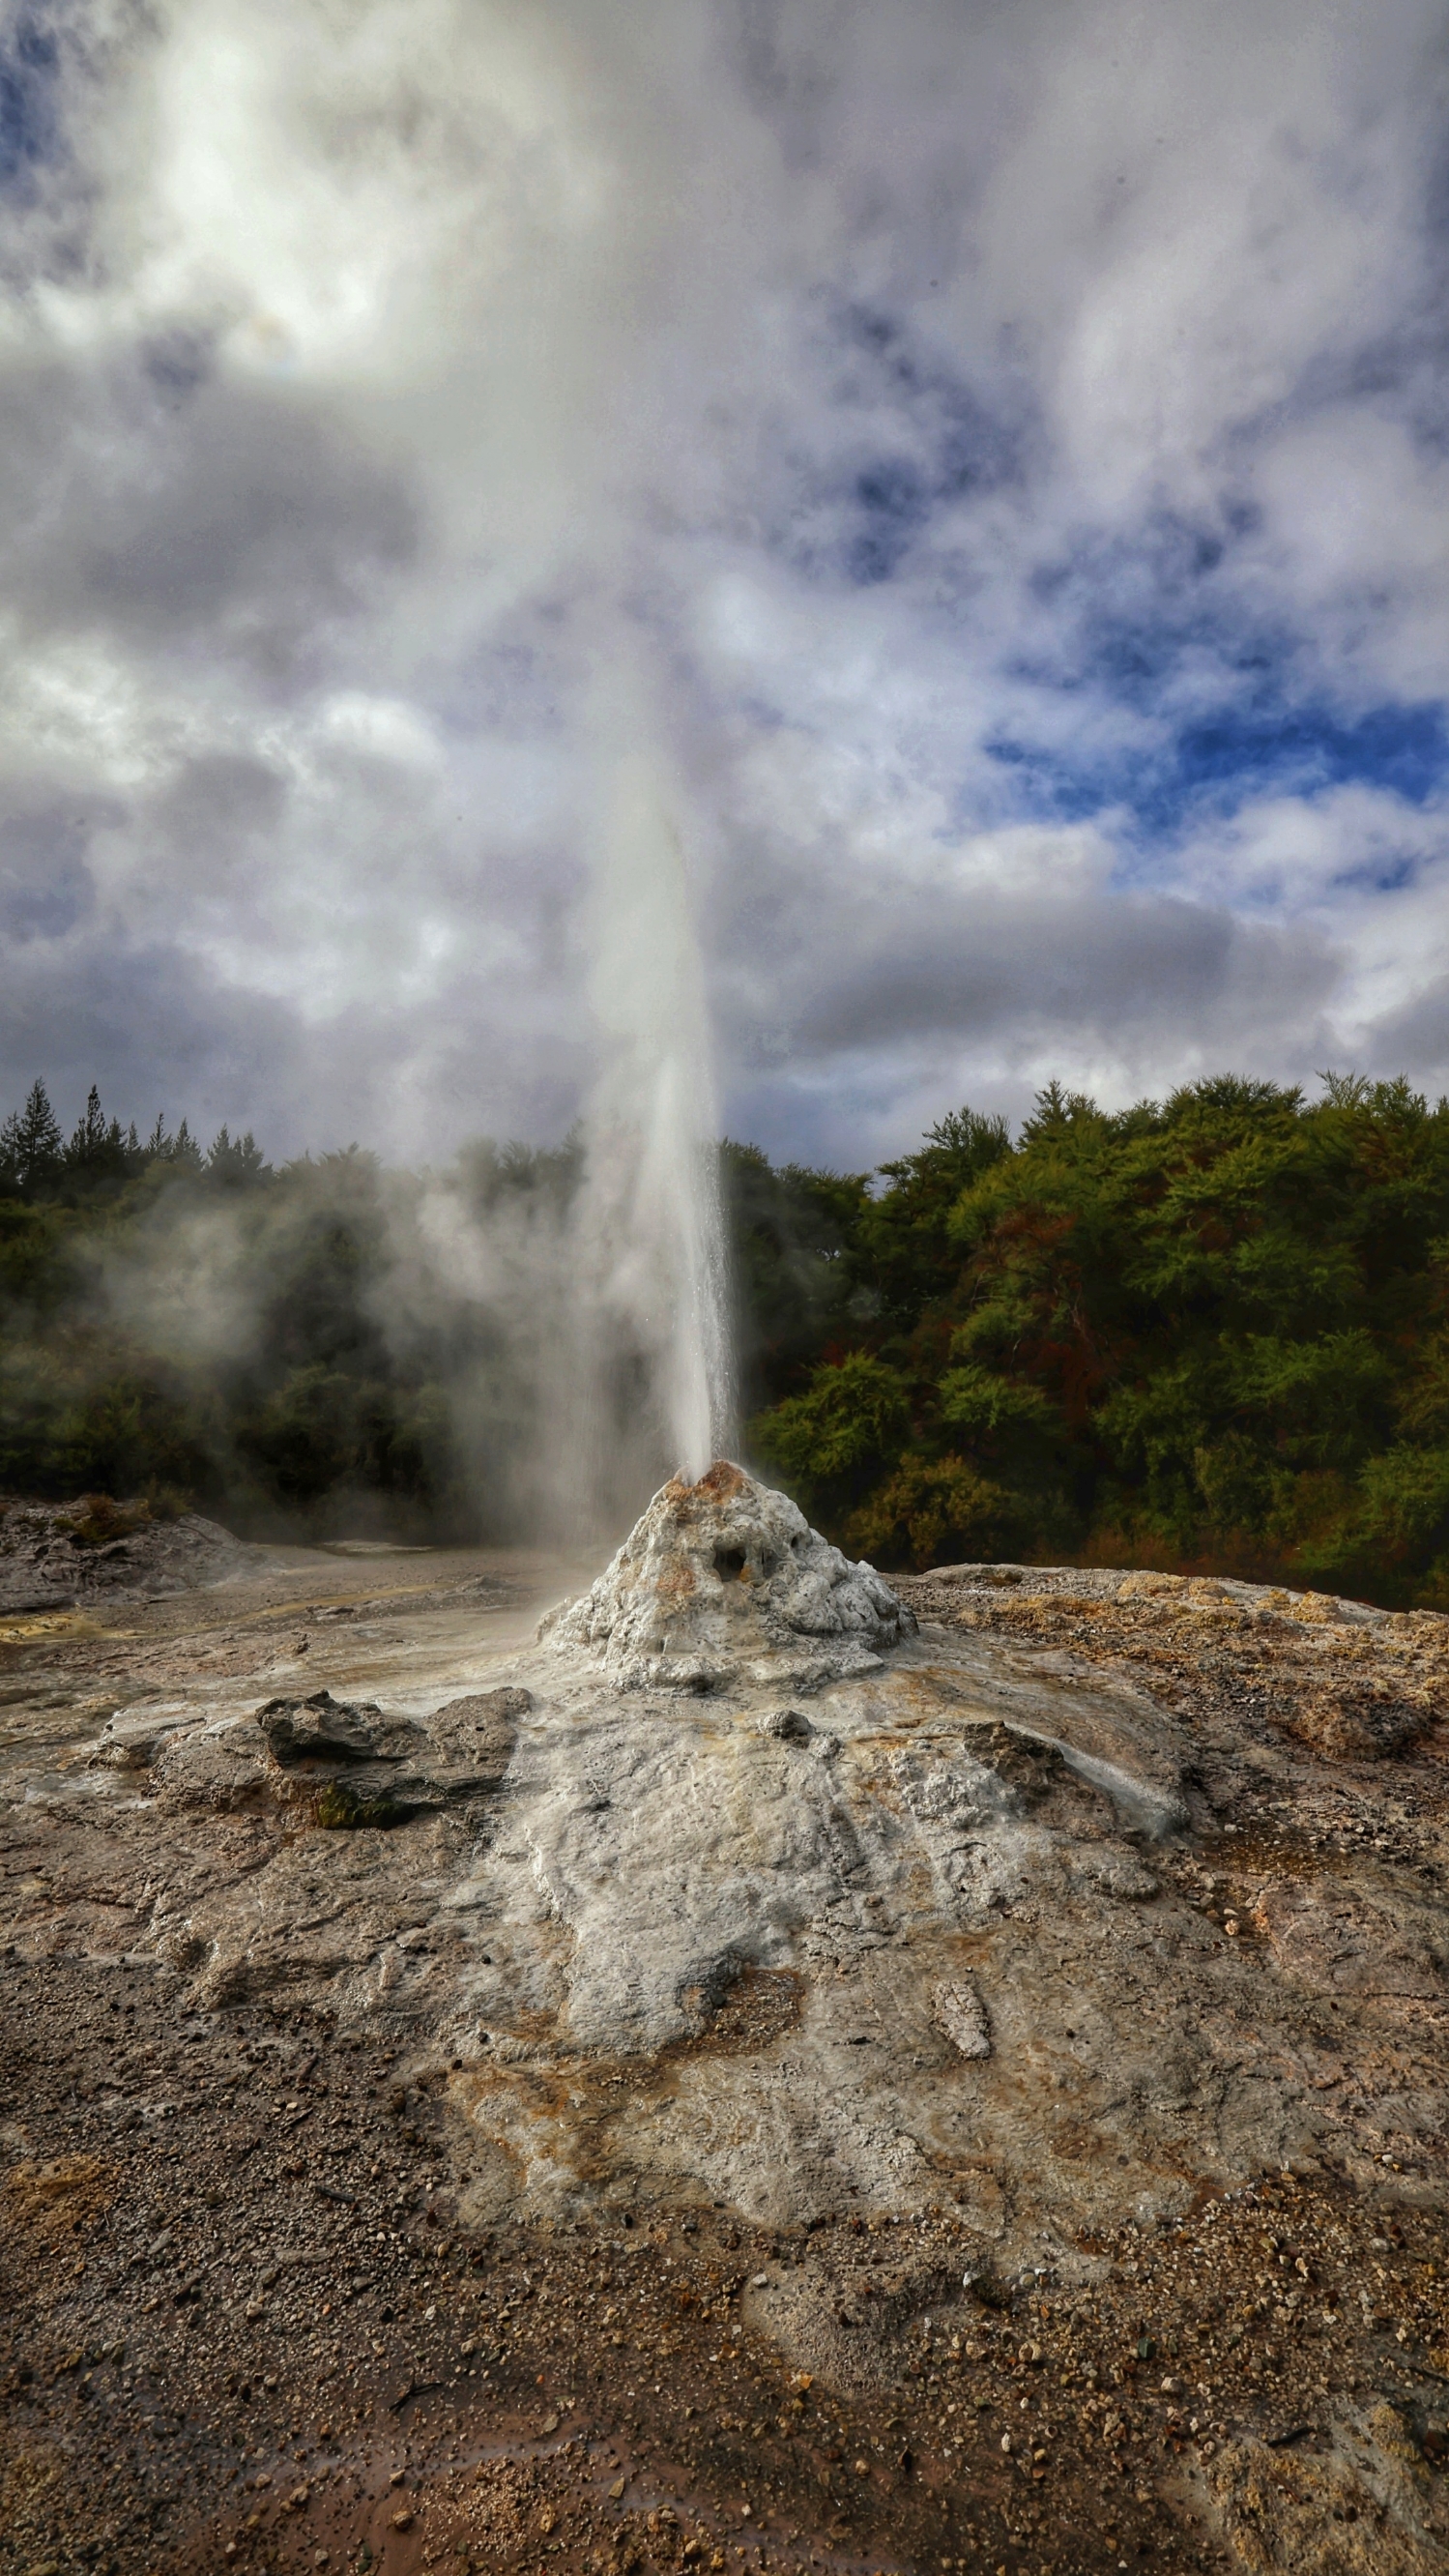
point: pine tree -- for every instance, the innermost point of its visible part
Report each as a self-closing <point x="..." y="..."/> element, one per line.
<point x="30" y="1144"/>
<point x="236" y="1161"/>
<point x="97" y="1150"/>
<point x="87" y="1147"/>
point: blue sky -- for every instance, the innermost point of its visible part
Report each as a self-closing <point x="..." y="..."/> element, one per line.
<point x="1263" y="742"/>
<point x="1007" y="445"/>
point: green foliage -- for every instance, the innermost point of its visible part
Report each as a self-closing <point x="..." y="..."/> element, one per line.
<point x="30" y="1146"/>
<point x="541" y="1178"/>
<point x="195" y="1327"/>
<point x="907" y="1246"/>
<point x="832" y="1440"/>
<point x="98" y="1151"/>
<point x="343" y="1808"/>
<point x="930" y="1511"/>
<point x="797" y="1292"/>
<point x="97" y="1520"/>
<point x="1212" y="1331"/>
<point x="235" y="1165"/>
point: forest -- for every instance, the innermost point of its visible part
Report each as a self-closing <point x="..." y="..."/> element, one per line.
<point x="1207" y="1333"/>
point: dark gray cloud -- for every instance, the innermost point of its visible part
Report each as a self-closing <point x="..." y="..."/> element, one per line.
<point x="188" y="511"/>
<point x="976" y="972"/>
<point x="1416" y="1035"/>
<point x="155" y="1032"/>
<point x="886" y="1000"/>
<point x="158" y="1030"/>
<point x="45" y="884"/>
<point x="220" y="803"/>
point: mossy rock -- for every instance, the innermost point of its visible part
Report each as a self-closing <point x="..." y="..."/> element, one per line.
<point x="97" y="1521"/>
<point x="342" y="1807"/>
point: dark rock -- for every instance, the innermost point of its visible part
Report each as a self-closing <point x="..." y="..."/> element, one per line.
<point x="55" y="1555"/>
<point x="791" y="1725"/>
<point x="345" y="1805"/>
<point x="323" y="1729"/>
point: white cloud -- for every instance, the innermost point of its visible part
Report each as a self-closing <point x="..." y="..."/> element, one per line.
<point x="385" y="729"/>
<point x="905" y="388"/>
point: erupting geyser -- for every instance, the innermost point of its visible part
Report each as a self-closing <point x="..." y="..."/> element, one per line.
<point x="651" y="1220"/>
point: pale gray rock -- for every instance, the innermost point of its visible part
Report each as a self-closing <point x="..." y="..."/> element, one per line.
<point x="131" y="1740"/>
<point x="483" y="1726"/>
<point x="347" y="1765"/>
<point x="663" y="1946"/>
<point x="223" y="1767"/>
<point x="724" y="1581"/>
<point x="963" y="2017"/>
<point x="352" y="1764"/>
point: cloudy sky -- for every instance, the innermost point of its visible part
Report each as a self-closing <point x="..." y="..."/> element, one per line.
<point x="1005" y="445"/>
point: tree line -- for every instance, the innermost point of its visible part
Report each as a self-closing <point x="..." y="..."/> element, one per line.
<point x="196" y="1327"/>
<point x="39" y="1163"/>
<point x="1209" y="1332"/>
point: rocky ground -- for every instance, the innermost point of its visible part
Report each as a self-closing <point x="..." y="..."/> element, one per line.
<point x="55" y="1556"/>
<point x="847" y="2099"/>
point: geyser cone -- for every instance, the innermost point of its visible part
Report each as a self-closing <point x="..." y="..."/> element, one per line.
<point x="725" y="1581"/>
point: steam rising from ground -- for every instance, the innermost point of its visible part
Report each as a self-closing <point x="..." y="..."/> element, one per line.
<point x="527" y="1341"/>
<point x="506" y="1346"/>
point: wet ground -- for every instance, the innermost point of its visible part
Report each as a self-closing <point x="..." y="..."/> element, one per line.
<point x="258" y="2311"/>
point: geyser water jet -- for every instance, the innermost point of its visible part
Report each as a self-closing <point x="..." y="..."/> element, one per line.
<point x="651" y="1213"/>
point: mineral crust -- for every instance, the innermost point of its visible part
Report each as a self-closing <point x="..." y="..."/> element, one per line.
<point x="976" y="2090"/>
<point x="726" y="1580"/>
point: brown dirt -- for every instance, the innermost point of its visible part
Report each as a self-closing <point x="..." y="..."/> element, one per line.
<point x="247" y="2322"/>
<point x="233" y="2324"/>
